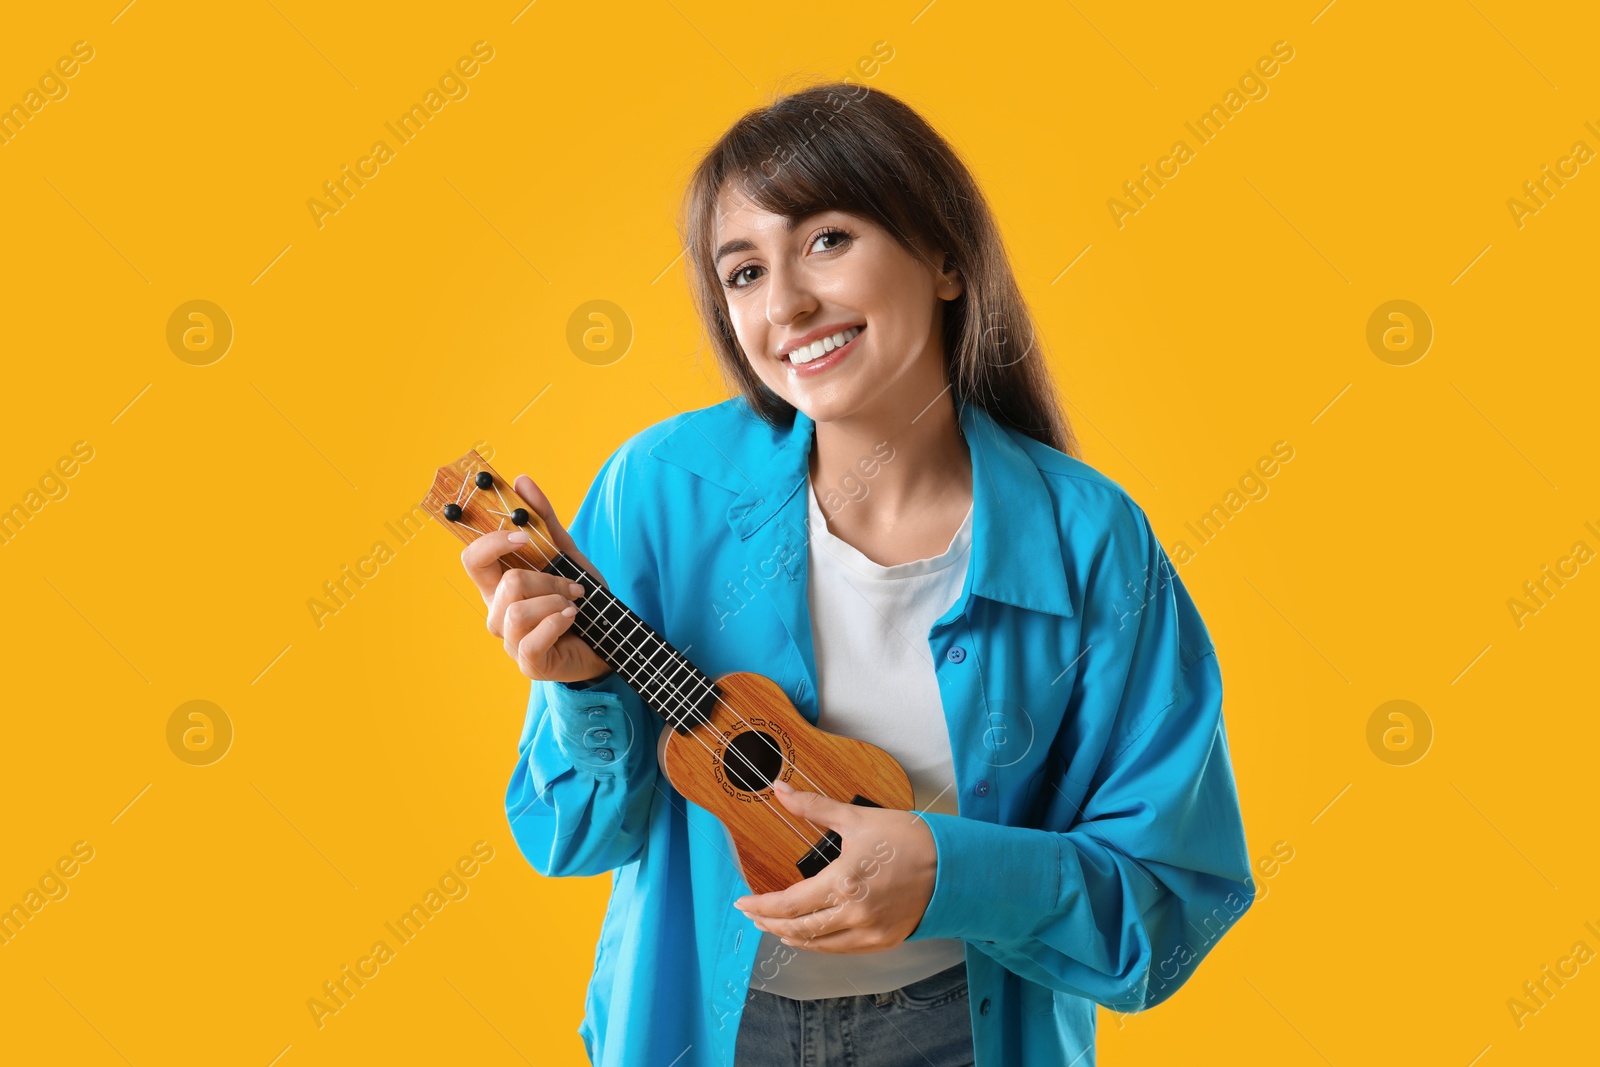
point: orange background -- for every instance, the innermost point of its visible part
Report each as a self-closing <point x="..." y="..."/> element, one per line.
<point x="371" y="751"/>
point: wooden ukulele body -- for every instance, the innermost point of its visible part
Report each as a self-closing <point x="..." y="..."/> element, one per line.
<point x="754" y="735"/>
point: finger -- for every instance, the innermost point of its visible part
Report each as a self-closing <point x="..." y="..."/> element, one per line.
<point x="524" y="616"/>
<point x="539" y="641"/>
<point x="481" y="558"/>
<point x="805" y="928"/>
<point x="507" y="591"/>
<point x="540" y="503"/>
<point x="516" y="586"/>
<point x="808" y="895"/>
<point x="818" y="807"/>
<point x="857" y="940"/>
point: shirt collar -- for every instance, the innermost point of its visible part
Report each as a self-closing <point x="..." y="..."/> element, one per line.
<point x="1016" y="541"/>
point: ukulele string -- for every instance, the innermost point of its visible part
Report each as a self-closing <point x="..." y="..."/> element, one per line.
<point x="502" y="501"/>
<point x="719" y="700"/>
<point x="588" y="632"/>
<point x="736" y="715"/>
<point x="648" y="667"/>
<point x="658" y="676"/>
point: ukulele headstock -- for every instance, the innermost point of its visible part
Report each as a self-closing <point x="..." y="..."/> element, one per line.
<point x="470" y="499"/>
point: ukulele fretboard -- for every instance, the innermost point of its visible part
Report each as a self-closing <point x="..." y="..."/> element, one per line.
<point x="665" y="680"/>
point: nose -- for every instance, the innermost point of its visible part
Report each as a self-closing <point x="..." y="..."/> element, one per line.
<point x="788" y="296"/>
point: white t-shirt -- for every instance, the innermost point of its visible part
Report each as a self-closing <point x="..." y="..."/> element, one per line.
<point x="876" y="682"/>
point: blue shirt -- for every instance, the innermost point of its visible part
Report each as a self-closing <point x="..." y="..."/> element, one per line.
<point x="1099" y="851"/>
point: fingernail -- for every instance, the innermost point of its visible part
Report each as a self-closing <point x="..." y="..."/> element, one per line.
<point x="575" y="589"/>
<point x="569" y="612"/>
<point x="781" y="786"/>
<point x="518" y="538"/>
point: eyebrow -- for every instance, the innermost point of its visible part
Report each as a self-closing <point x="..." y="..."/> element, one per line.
<point x="741" y="244"/>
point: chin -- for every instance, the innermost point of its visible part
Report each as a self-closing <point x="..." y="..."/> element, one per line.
<point x="827" y="403"/>
<point x="830" y="409"/>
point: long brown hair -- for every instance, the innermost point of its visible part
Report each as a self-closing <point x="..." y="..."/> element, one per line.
<point x="846" y="147"/>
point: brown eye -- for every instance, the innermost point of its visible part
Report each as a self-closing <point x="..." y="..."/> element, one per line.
<point x="732" y="280"/>
<point x="839" y="237"/>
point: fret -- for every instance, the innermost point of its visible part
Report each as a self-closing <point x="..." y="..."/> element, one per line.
<point x="665" y="680"/>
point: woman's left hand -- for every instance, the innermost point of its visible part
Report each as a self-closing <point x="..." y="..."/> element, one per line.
<point x="868" y="899"/>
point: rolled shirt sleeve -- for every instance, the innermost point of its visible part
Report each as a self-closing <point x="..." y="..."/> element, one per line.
<point x="580" y="796"/>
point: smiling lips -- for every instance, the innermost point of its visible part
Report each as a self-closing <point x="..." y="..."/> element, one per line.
<point x="817" y="349"/>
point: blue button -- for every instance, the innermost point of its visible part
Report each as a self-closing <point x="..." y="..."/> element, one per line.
<point x="956" y="654"/>
<point x="596" y="710"/>
<point x="604" y="753"/>
<point x="982" y="787"/>
<point x="601" y="735"/>
<point x="983" y="1009"/>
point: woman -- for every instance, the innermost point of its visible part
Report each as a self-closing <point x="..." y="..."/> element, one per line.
<point x="890" y="520"/>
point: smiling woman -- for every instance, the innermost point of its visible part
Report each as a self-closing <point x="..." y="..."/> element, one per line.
<point x="874" y="187"/>
<point x="860" y="302"/>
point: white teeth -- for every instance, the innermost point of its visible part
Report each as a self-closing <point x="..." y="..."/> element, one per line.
<point x="818" y="349"/>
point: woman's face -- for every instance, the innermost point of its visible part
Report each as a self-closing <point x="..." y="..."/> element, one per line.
<point x="831" y="274"/>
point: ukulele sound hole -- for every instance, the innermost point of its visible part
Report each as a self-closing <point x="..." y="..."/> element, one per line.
<point x="753" y="761"/>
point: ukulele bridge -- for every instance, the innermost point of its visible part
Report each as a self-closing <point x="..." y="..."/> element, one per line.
<point x="826" y="850"/>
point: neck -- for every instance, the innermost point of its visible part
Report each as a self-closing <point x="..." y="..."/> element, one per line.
<point x="913" y="449"/>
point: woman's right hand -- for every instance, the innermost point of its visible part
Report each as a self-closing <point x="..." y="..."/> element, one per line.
<point x="533" y="611"/>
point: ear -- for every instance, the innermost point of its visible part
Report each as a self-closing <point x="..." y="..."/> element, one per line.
<point x="950" y="281"/>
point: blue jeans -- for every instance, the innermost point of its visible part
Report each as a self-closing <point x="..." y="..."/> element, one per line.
<point x="924" y="1024"/>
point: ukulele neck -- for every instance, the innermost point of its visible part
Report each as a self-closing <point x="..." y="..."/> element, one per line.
<point x="665" y="680"/>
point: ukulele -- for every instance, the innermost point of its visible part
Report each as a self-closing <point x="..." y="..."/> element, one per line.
<point x="730" y="737"/>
